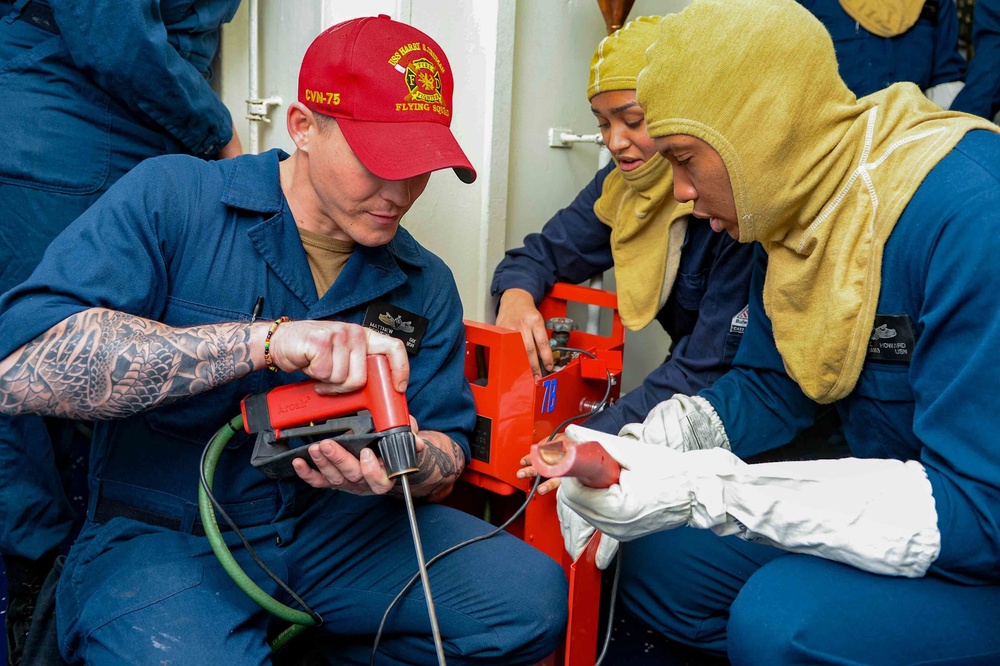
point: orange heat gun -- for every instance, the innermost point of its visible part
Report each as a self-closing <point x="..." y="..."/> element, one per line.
<point x="375" y="416"/>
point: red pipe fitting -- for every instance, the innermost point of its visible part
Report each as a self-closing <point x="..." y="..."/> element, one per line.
<point x="588" y="462"/>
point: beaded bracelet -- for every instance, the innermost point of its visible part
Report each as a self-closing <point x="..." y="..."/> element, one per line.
<point x="267" y="343"/>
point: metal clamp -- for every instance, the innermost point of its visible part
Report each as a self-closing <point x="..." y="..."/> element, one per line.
<point x="562" y="137"/>
<point x="257" y="109"/>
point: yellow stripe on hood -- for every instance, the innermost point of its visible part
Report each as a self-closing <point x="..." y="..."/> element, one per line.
<point x="819" y="177"/>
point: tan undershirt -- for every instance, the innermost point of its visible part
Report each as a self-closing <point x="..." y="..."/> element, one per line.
<point x="326" y="256"/>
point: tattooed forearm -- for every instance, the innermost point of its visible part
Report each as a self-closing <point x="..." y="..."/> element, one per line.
<point x="440" y="464"/>
<point x="102" y="364"/>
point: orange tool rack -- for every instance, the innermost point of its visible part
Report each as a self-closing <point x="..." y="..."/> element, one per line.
<point x="514" y="411"/>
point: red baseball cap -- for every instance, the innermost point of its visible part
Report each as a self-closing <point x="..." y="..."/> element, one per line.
<point x="389" y="86"/>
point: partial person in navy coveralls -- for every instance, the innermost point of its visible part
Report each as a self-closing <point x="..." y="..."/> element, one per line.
<point x="139" y="317"/>
<point x="668" y="266"/>
<point x="90" y="89"/>
<point x="877" y="226"/>
<point x="881" y="42"/>
<point x="981" y="94"/>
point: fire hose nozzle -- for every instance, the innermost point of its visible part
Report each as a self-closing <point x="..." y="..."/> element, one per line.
<point x="588" y="462"/>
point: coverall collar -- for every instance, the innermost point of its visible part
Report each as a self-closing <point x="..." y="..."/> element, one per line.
<point x="255" y="185"/>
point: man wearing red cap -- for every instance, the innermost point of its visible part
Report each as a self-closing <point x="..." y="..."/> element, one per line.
<point x="142" y="316"/>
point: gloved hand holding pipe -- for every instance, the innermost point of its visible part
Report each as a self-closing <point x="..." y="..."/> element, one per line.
<point x="877" y="515"/>
<point x="577" y="454"/>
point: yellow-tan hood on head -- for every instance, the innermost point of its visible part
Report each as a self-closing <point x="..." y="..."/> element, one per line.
<point x="620" y="57"/>
<point x="819" y="177"/>
<point x="648" y="227"/>
<point x="885" y="18"/>
<point x="647" y="224"/>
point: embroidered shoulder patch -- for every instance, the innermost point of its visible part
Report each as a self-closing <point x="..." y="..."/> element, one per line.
<point x="738" y="324"/>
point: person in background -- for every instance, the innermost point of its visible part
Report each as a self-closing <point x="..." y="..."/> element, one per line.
<point x="141" y="316"/>
<point x="981" y="94"/>
<point x="90" y="89"/>
<point x="876" y="223"/>
<point x="668" y="265"/>
<point x="881" y="42"/>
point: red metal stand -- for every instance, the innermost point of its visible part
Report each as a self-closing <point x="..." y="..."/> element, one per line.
<point x="515" y="411"/>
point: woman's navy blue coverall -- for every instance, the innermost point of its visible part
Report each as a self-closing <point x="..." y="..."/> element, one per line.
<point x="704" y="314"/>
<point x="90" y="89"/>
<point x="938" y="406"/>
<point x="188" y="242"/>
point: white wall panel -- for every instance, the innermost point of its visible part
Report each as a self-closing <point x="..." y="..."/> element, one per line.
<point x="554" y="42"/>
<point x="464" y="224"/>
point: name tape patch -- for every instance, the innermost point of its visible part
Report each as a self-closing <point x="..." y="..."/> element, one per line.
<point x="398" y="323"/>
<point x="891" y="340"/>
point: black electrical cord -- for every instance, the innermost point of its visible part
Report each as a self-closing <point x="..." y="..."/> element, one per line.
<point x="482" y="537"/>
<point x="611" y="609"/>
<point x="299" y="619"/>
<point x="309" y="617"/>
<point x="618" y="564"/>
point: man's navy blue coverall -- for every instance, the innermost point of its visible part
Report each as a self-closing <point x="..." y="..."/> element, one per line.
<point x="136" y="591"/>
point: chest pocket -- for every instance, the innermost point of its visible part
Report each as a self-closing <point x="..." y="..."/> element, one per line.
<point x="689" y="289"/>
<point x="197" y="418"/>
<point x="57" y="125"/>
<point x="879" y="413"/>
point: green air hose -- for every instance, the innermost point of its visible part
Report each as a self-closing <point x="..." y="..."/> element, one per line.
<point x="300" y="620"/>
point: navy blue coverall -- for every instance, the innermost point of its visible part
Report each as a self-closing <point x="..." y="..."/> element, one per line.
<point x="90" y="89"/>
<point x="702" y="316"/>
<point x="140" y="585"/>
<point x="926" y="54"/>
<point x="981" y="94"/>
<point x="764" y="605"/>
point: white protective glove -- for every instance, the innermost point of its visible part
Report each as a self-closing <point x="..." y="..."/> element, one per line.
<point x="683" y="423"/>
<point x="577" y="532"/>
<point x="944" y="94"/>
<point x="876" y="515"/>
